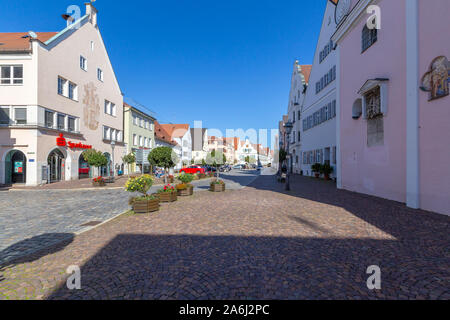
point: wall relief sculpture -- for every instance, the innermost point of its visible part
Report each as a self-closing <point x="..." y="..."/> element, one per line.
<point x="91" y="107"/>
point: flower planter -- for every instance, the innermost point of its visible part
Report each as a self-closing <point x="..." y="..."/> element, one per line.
<point x="146" y="206"/>
<point x="167" y="196"/>
<point x="98" y="183"/>
<point x="217" y="188"/>
<point x="186" y="192"/>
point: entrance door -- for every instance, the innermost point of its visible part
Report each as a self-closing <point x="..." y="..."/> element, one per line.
<point x="56" y="166"/>
<point x="16" y="167"/>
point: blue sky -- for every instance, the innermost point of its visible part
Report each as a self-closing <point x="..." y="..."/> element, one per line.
<point x="227" y="63"/>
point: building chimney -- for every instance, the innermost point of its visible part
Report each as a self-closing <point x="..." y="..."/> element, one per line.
<point x="92" y="12"/>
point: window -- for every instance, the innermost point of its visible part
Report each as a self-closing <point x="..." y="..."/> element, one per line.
<point x="61" y="85"/>
<point x="61" y="122"/>
<point x="11" y="74"/>
<point x="369" y="37"/>
<point x="4" y="116"/>
<point x="135" y="140"/>
<point x="20" y="115"/>
<point x="299" y="136"/>
<point x="71" y="127"/>
<point x="83" y="63"/>
<point x="145" y="142"/>
<point x="110" y="108"/>
<point x="334" y="155"/>
<point x="141" y="141"/>
<point x="92" y="46"/>
<point x="49" y="118"/>
<point x="135" y="120"/>
<point x="73" y="91"/>
<point x="100" y="74"/>
<point x="119" y="136"/>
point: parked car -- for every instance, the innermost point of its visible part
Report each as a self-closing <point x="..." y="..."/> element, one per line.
<point x="193" y="170"/>
<point x="239" y="167"/>
<point x="225" y="168"/>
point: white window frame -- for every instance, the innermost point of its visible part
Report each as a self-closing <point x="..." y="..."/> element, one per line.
<point x="11" y="75"/>
<point x="83" y="63"/>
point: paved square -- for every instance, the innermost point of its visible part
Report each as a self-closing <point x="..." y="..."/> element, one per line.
<point x="314" y="242"/>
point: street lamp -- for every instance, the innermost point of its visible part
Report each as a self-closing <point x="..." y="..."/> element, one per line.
<point x="288" y="127"/>
<point x="113" y="145"/>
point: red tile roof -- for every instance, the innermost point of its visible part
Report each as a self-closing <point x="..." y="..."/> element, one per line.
<point x="306" y="70"/>
<point x="21" y="41"/>
<point x="175" y="130"/>
<point x="162" y="134"/>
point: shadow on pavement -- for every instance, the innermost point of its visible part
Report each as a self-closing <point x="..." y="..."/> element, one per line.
<point x="33" y="249"/>
<point x="238" y="267"/>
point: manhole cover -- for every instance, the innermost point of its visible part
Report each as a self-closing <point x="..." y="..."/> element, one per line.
<point x="91" y="224"/>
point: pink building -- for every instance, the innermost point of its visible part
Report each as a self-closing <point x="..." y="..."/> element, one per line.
<point x="393" y="104"/>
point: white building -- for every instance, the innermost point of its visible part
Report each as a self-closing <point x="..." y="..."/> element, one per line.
<point x="181" y="134"/>
<point x="318" y="113"/>
<point x="299" y="84"/>
<point x="58" y="97"/>
<point x="163" y="139"/>
<point x="246" y="149"/>
<point x="199" y="142"/>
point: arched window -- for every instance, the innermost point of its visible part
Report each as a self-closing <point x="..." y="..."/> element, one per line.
<point x="369" y="37"/>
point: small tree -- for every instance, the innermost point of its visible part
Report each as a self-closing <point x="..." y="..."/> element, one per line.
<point x="163" y="157"/>
<point x="95" y="159"/>
<point x="129" y="159"/>
<point x="216" y="159"/>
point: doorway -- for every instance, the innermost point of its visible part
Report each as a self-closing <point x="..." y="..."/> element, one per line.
<point x="56" y="164"/>
<point x="15" y="167"/>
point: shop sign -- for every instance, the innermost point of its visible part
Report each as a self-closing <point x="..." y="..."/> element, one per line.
<point x="61" y="142"/>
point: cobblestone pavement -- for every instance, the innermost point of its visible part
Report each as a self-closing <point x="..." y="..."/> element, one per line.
<point x="34" y="219"/>
<point x="314" y="242"/>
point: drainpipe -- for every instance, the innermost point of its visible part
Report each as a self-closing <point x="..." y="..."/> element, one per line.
<point x="412" y="104"/>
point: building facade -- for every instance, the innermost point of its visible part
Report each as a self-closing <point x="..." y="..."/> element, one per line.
<point x="394" y="107"/>
<point x="199" y="142"/>
<point x="181" y="134"/>
<point x="163" y="139"/>
<point x="318" y="112"/>
<point x="139" y="129"/>
<point x="58" y="97"/>
<point x="299" y="84"/>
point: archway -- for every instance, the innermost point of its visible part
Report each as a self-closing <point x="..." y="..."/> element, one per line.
<point x="56" y="163"/>
<point x="84" y="170"/>
<point x="15" y="167"/>
<point x="106" y="171"/>
<point x="357" y="109"/>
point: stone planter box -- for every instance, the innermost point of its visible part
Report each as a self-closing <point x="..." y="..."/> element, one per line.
<point x="167" y="196"/>
<point x="98" y="184"/>
<point x="142" y="207"/>
<point x="187" y="192"/>
<point x="217" y="188"/>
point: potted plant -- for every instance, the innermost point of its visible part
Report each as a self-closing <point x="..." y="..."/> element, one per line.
<point x="95" y="159"/>
<point x="316" y="167"/>
<point x="129" y="159"/>
<point x="144" y="203"/>
<point x="201" y="176"/>
<point x="326" y="170"/>
<point x="216" y="159"/>
<point x="217" y="186"/>
<point x="98" y="182"/>
<point x="167" y="194"/>
<point x="185" y="188"/>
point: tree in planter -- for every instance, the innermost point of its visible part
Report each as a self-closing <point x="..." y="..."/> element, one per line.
<point x="216" y="159"/>
<point x="95" y="159"/>
<point x="326" y="170"/>
<point x="129" y="159"/>
<point x="163" y="157"/>
<point x="316" y="168"/>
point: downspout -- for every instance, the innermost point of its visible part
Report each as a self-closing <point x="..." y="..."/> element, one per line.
<point x="412" y="104"/>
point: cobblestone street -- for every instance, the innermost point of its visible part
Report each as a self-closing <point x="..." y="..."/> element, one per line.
<point x="260" y="242"/>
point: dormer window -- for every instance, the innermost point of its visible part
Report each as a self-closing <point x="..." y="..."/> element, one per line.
<point x="369" y="37"/>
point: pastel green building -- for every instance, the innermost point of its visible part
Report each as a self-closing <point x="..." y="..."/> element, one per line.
<point x="139" y="136"/>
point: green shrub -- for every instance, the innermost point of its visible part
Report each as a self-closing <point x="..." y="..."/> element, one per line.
<point x="141" y="184"/>
<point x="186" y="178"/>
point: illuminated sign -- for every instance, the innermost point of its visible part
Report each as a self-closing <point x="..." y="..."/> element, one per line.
<point x="61" y="142"/>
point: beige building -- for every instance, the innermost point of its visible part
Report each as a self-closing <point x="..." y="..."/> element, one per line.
<point x="59" y="96"/>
